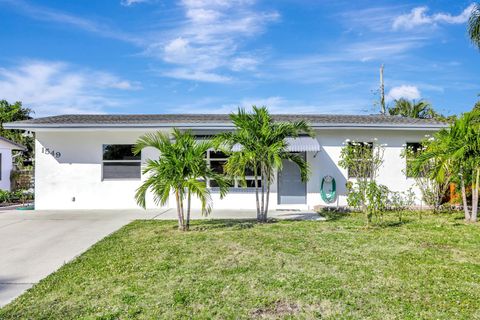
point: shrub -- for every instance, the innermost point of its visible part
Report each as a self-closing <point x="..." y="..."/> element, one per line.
<point x="5" y="196"/>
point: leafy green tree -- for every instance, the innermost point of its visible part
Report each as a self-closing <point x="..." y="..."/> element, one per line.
<point x="474" y="25"/>
<point x="181" y="168"/>
<point x="261" y="148"/>
<point x="363" y="160"/>
<point x="16" y="112"/>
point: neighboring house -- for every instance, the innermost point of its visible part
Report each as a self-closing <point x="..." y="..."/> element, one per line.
<point x="6" y="161"/>
<point x="85" y="161"/>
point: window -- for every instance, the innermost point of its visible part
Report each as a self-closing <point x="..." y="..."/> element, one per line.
<point x="217" y="161"/>
<point x="119" y="162"/>
<point x="362" y="153"/>
<point x="411" y="152"/>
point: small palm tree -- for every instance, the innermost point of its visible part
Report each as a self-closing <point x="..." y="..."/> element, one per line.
<point x="260" y="147"/>
<point x="474" y="25"/>
<point x="412" y="109"/>
<point x="181" y="168"/>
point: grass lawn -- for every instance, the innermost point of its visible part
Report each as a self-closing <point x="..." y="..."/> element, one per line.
<point x="425" y="268"/>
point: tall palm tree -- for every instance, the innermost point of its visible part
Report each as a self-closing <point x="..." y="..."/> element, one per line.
<point x="181" y="168"/>
<point x="466" y="151"/>
<point x="474" y="25"/>
<point x="455" y="152"/>
<point x="260" y="147"/>
<point x="412" y="109"/>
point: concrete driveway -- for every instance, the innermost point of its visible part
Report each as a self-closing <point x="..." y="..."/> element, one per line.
<point x="34" y="244"/>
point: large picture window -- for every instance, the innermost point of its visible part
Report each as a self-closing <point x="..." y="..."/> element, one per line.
<point x="119" y="162"/>
<point x="217" y="161"/>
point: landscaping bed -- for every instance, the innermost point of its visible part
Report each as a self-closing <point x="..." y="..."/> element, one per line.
<point x="426" y="268"/>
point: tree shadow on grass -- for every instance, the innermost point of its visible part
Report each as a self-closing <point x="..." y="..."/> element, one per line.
<point x="231" y="224"/>
<point x="393" y="223"/>
<point x="333" y="214"/>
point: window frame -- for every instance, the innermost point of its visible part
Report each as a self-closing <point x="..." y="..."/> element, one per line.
<point x="407" y="160"/>
<point x="349" y="173"/>
<point x="236" y="181"/>
<point x="139" y="161"/>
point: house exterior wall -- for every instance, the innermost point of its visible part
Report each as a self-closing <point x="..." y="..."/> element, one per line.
<point x="6" y="167"/>
<point x="73" y="180"/>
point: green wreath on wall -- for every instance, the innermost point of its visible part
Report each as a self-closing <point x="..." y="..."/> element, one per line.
<point x="329" y="195"/>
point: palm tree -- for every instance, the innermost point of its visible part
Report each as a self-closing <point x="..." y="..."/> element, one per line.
<point x="412" y="109"/>
<point x="474" y="25"/>
<point x="433" y="167"/>
<point x="260" y="147"/>
<point x="466" y="152"/>
<point x="181" y="168"/>
<point x="455" y="152"/>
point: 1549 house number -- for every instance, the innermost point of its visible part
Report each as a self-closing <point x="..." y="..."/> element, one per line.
<point x="54" y="153"/>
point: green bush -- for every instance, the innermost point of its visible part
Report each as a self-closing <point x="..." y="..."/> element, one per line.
<point x="21" y="196"/>
<point x="5" y="196"/>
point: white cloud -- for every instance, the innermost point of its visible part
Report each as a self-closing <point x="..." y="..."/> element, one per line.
<point x="275" y="104"/>
<point x="371" y="18"/>
<point x="196" y="75"/>
<point x="353" y="58"/>
<point x="56" y="87"/>
<point x="419" y="17"/>
<point x="206" y="46"/>
<point x="244" y="63"/>
<point x="380" y="49"/>
<point x="50" y="15"/>
<point x="403" y="91"/>
<point x="128" y="3"/>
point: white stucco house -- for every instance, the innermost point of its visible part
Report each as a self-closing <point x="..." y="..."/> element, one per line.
<point x="85" y="161"/>
<point x="6" y="161"/>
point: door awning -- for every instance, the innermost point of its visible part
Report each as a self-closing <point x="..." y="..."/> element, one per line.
<point x="302" y="144"/>
<point x="299" y="144"/>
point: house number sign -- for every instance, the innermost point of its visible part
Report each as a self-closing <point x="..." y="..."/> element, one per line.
<point x="53" y="153"/>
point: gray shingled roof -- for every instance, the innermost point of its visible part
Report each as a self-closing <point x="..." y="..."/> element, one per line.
<point x="205" y="120"/>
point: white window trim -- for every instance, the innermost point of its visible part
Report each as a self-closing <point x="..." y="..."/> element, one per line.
<point x="122" y="161"/>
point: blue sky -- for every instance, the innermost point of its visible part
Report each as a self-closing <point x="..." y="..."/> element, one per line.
<point x="294" y="56"/>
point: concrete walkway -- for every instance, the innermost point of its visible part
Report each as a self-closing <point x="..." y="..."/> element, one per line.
<point x="34" y="244"/>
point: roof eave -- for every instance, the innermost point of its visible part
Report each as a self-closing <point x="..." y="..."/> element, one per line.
<point x="211" y="125"/>
<point x="13" y="144"/>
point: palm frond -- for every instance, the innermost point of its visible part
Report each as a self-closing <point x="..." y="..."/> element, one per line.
<point x="474" y="25"/>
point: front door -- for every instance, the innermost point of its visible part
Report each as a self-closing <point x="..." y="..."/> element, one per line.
<point x="291" y="188"/>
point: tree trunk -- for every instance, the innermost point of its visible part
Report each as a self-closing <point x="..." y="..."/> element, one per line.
<point x="262" y="207"/>
<point x="255" y="175"/>
<point x="179" y="208"/>
<point x="473" y="218"/>
<point x="182" y="211"/>
<point x="464" y="199"/>
<point x="189" y="200"/>
<point x="267" y="200"/>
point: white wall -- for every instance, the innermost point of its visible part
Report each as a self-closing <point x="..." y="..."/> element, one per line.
<point x="77" y="173"/>
<point x="391" y="174"/>
<point x="74" y="180"/>
<point x="7" y="167"/>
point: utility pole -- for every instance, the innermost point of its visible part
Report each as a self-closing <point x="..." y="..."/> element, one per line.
<point x="382" y="92"/>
